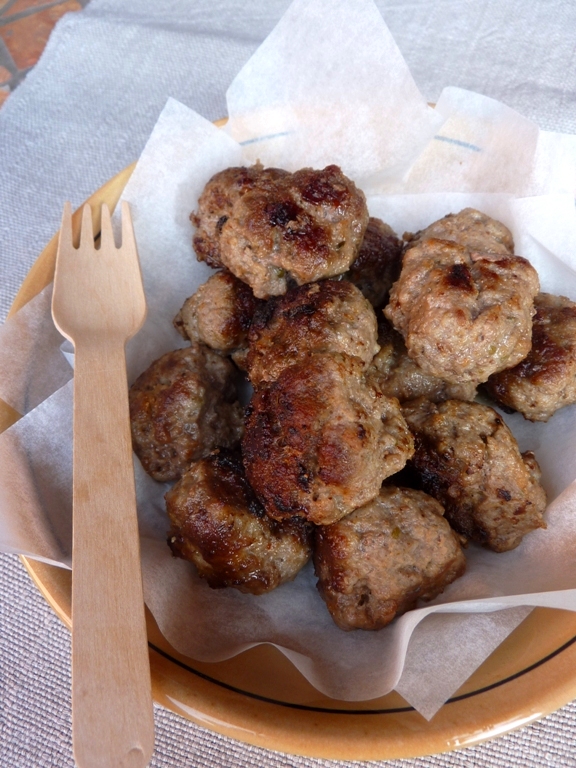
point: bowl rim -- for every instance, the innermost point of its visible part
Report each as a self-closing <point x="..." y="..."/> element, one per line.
<point x="530" y="675"/>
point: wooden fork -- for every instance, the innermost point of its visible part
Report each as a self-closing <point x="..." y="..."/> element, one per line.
<point x="98" y="303"/>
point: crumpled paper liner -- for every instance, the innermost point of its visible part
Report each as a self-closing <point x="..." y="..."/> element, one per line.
<point x="301" y="101"/>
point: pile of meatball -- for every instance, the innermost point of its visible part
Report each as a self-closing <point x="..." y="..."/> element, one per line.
<point x="362" y="445"/>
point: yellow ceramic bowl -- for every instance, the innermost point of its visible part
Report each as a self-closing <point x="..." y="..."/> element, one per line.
<point x="260" y="698"/>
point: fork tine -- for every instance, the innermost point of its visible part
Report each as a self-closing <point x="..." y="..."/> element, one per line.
<point x="128" y="238"/>
<point x="106" y="233"/>
<point x="87" y="232"/>
<point x="65" y="237"/>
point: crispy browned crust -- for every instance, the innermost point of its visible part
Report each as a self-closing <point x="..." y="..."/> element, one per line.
<point x="467" y="458"/>
<point x="472" y="229"/>
<point x="377" y="562"/>
<point x="181" y="408"/>
<point x="219" y="525"/>
<point x="219" y="314"/>
<point x="318" y="318"/>
<point x="216" y="203"/>
<point x="464" y="315"/>
<point x="271" y="228"/>
<point x="546" y="379"/>
<point x="378" y="263"/>
<point x="318" y="441"/>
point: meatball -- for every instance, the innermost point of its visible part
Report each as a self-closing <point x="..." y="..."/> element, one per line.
<point x="546" y="379"/>
<point x="467" y="458"/>
<point x="283" y="228"/>
<point x="218" y="524"/>
<point x="378" y="263"/>
<point x="397" y="375"/>
<point x="472" y="229"/>
<point x="464" y="315"/>
<point x="181" y="408"/>
<point x="324" y="317"/>
<point x="219" y="314"/>
<point x="377" y="562"/>
<point x="318" y="441"/>
<point x="217" y="201"/>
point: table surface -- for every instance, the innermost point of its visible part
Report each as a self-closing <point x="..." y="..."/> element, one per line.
<point x="522" y="54"/>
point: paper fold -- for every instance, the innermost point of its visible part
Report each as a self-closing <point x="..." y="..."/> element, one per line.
<point x="328" y="73"/>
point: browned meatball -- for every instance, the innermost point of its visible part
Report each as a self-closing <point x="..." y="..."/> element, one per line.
<point x="546" y="379"/>
<point x="378" y="263"/>
<point x="217" y="201"/>
<point x="219" y="525"/>
<point x="282" y="228"/>
<point x="318" y="441"/>
<point x="463" y="315"/>
<point x="467" y="458"/>
<point x="472" y="229"/>
<point x="377" y="562"/>
<point x="181" y="408"/>
<point x="397" y="375"/>
<point x="219" y="314"/>
<point x="324" y="317"/>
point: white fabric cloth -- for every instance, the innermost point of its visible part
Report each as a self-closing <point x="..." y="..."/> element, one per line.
<point x="83" y="114"/>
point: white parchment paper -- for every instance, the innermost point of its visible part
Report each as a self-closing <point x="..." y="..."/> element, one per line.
<point x="301" y="101"/>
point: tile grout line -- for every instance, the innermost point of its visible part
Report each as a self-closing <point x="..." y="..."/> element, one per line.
<point x="6" y="7"/>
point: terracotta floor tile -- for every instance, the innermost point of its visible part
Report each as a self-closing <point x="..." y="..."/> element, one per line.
<point x="25" y="38"/>
<point x="4" y="93"/>
<point x="5" y="75"/>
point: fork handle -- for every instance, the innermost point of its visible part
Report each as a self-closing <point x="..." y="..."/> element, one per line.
<point x="113" y="721"/>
